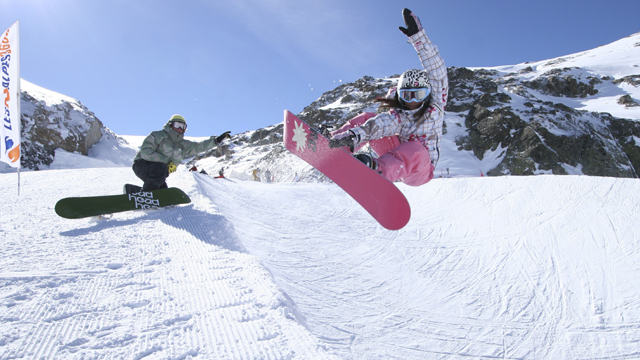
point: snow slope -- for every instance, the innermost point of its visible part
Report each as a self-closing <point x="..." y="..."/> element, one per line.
<point x="172" y="284"/>
<point x="544" y="267"/>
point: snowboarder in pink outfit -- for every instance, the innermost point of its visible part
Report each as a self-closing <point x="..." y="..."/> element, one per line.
<point x="407" y="138"/>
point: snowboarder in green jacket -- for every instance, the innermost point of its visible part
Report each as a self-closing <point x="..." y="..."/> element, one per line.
<point x="162" y="151"/>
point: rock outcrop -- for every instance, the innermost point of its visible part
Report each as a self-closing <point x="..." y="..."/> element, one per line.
<point x="53" y="121"/>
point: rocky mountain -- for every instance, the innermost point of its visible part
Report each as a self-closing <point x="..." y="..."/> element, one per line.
<point x="55" y="124"/>
<point x="577" y="114"/>
<point x="535" y="132"/>
<point x="49" y="123"/>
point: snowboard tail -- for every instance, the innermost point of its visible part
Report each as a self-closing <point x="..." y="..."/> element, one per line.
<point x="376" y="194"/>
<point x="81" y="207"/>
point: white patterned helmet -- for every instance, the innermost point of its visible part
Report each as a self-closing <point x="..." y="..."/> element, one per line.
<point x="414" y="86"/>
<point x="414" y="79"/>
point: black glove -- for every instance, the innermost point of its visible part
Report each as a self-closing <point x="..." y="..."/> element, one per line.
<point x="411" y="22"/>
<point x="347" y="140"/>
<point x="222" y="137"/>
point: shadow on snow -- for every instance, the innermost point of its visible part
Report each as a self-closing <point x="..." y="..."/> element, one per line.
<point x="210" y="228"/>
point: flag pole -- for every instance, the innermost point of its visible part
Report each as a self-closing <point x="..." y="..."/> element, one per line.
<point x="10" y="131"/>
<point x="19" y="111"/>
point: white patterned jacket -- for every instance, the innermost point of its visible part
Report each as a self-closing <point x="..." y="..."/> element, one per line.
<point x="401" y="122"/>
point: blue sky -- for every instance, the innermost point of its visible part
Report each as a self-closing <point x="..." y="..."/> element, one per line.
<point x="237" y="64"/>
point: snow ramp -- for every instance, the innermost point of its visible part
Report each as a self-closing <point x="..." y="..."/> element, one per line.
<point x="544" y="267"/>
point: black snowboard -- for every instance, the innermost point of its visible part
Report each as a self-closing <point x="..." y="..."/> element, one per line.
<point x="81" y="207"/>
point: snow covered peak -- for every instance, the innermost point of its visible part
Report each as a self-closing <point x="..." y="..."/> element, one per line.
<point x="618" y="59"/>
<point x="49" y="97"/>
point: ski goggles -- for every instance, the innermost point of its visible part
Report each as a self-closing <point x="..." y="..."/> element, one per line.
<point x="414" y="95"/>
<point x="179" y="125"/>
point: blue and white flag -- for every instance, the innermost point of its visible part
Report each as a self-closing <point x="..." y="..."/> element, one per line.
<point x="10" y="96"/>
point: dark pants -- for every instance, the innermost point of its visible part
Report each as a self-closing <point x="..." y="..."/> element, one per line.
<point x="154" y="174"/>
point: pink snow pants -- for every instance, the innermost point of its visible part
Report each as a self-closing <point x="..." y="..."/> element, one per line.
<point x="408" y="162"/>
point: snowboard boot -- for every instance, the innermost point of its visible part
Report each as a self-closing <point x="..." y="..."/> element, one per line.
<point x="367" y="160"/>
<point x="131" y="189"/>
<point x="324" y="131"/>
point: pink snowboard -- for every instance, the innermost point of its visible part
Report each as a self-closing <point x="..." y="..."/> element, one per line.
<point x="379" y="196"/>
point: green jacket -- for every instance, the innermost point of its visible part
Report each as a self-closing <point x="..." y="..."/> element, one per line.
<point x="168" y="145"/>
